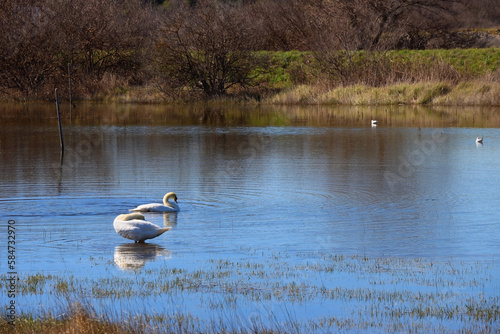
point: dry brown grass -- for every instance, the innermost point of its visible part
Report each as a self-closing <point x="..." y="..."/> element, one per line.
<point x="79" y="319"/>
<point x="484" y="92"/>
<point x="467" y="93"/>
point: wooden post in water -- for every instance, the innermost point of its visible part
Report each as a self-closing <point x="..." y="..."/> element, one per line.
<point x="70" y="96"/>
<point x="60" y="125"/>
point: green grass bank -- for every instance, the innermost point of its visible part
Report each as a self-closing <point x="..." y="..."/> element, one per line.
<point x="458" y="77"/>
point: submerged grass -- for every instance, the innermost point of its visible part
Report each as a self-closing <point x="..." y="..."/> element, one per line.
<point x="266" y="293"/>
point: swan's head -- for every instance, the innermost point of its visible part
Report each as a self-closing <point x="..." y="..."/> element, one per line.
<point x="170" y="195"/>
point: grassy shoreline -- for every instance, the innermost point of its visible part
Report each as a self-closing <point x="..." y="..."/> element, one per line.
<point x="439" y="77"/>
<point x="484" y="93"/>
<point x="432" y="94"/>
<point x="455" y="77"/>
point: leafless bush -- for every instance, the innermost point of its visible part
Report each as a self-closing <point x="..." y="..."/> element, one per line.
<point x="103" y="37"/>
<point x="376" y="26"/>
<point x="420" y="70"/>
<point x="28" y="52"/>
<point x="207" y="47"/>
<point x="383" y="25"/>
<point x="344" y="68"/>
<point x="211" y="46"/>
<point x="349" y="67"/>
<point x="40" y="38"/>
<point x="478" y="14"/>
<point x="283" y="24"/>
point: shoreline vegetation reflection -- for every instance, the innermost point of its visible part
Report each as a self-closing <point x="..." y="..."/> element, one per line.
<point x="88" y="113"/>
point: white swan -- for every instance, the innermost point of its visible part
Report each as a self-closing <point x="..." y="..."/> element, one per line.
<point x="479" y="140"/>
<point x="158" y="207"/>
<point x="133" y="226"/>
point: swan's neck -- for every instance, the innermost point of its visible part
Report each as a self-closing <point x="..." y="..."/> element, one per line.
<point x="166" y="202"/>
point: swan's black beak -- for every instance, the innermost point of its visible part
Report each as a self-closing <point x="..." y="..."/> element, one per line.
<point x="175" y="199"/>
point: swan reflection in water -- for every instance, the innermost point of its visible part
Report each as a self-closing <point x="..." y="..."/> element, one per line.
<point x="169" y="219"/>
<point x="134" y="256"/>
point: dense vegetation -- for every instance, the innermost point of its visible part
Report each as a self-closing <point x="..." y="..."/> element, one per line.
<point x="170" y="50"/>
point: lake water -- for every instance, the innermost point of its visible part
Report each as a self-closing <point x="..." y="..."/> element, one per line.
<point x="250" y="183"/>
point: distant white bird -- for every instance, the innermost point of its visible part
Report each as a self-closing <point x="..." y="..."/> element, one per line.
<point x="479" y="140"/>
<point x="374" y="122"/>
<point x="133" y="226"/>
<point x="158" y="207"/>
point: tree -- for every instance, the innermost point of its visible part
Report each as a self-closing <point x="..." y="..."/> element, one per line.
<point x="28" y="53"/>
<point x="380" y="24"/>
<point x="207" y="47"/>
<point x="285" y="24"/>
<point x="104" y="35"/>
<point x="346" y="27"/>
<point x="40" y="38"/>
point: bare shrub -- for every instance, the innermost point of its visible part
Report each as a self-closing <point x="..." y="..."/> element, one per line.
<point x="423" y="70"/>
<point x="207" y="47"/>
<point x="376" y="26"/>
<point x="353" y="67"/>
<point x="103" y="37"/>
<point x="212" y="47"/>
<point x="29" y="50"/>
<point x="40" y="38"/>
<point x="283" y="24"/>
<point x="474" y="14"/>
<point x="382" y="25"/>
<point x="344" y="68"/>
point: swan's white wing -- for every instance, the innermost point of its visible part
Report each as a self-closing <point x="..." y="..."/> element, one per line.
<point x="154" y="207"/>
<point x="128" y="232"/>
<point x="151" y="207"/>
<point x="138" y="230"/>
<point x="144" y="229"/>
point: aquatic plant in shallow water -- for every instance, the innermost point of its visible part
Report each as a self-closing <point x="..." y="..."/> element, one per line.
<point x="355" y="292"/>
